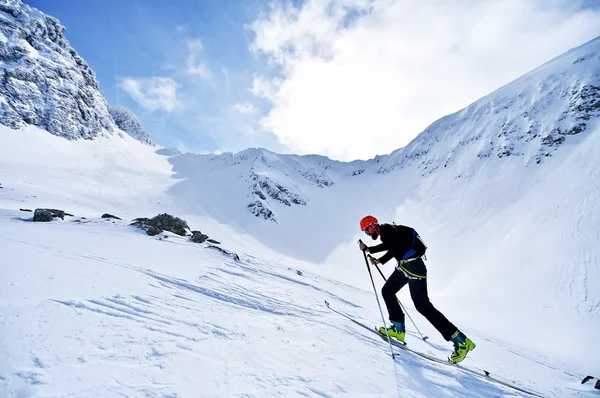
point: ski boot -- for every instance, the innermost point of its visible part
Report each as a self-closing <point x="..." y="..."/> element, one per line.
<point x="462" y="345"/>
<point x="396" y="331"/>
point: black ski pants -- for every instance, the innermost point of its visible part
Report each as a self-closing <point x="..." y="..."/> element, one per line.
<point x="418" y="293"/>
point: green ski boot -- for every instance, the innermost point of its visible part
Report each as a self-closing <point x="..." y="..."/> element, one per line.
<point x="396" y="331"/>
<point x="462" y="345"/>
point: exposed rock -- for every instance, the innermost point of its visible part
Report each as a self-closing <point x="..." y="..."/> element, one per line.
<point x="127" y="121"/>
<point x="198" y="237"/>
<point x="106" y="215"/>
<point x="42" y="215"/>
<point x="152" y="231"/>
<point x="162" y="222"/>
<point x="259" y="210"/>
<point x="25" y="209"/>
<point x="216" y="242"/>
<point x="44" y="82"/>
<point x="48" y="214"/>
<point x="58" y="213"/>
<point x="233" y="255"/>
<point x="265" y="185"/>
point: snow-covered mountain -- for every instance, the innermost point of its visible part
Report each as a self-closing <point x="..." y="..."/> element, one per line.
<point x="504" y="192"/>
<point x="530" y="118"/>
<point x="45" y="83"/>
<point x="526" y="121"/>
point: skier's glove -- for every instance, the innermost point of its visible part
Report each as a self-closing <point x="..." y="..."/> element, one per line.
<point x="373" y="260"/>
<point x="362" y="246"/>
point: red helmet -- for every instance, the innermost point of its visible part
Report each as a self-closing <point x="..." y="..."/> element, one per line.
<point x="366" y="221"/>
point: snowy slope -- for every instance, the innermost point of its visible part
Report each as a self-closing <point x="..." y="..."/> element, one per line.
<point x="504" y="193"/>
<point x="96" y="308"/>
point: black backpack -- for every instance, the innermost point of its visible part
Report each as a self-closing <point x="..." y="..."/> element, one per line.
<point x="418" y="247"/>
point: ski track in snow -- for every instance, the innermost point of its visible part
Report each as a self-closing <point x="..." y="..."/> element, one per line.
<point x="96" y="308"/>
<point x="151" y="330"/>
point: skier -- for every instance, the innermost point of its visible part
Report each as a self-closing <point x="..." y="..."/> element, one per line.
<point x="405" y="245"/>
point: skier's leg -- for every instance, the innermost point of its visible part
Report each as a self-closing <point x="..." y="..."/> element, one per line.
<point x="418" y="292"/>
<point x="394" y="283"/>
<point x="462" y="344"/>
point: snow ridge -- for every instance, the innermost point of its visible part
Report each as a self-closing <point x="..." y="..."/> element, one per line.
<point x="528" y="118"/>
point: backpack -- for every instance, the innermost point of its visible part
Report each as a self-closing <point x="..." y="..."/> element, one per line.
<point x="418" y="247"/>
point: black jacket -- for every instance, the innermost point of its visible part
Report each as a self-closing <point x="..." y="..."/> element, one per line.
<point x="398" y="240"/>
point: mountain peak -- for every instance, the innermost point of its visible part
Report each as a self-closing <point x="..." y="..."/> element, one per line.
<point x="529" y="118"/>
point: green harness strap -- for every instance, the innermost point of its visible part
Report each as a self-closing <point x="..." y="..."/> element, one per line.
<point x="410" y="275"/>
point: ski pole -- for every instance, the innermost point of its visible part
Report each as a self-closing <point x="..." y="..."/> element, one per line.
<point x="378" y="304"/>
<point x="404" y="309"/>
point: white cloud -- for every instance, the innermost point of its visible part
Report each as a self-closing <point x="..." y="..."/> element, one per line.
<point x="264" y="88"/>
<point x="195" y="66"/>
<point x="362" y="77"/>
<point x="154" y="93"/>
<point x="245" y="108"/>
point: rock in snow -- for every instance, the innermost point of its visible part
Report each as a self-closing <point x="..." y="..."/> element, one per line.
<point x="45" y="215"/>
<point x="162" y="222"/>
<point x="107" y="215"/>
<point x="198" y="237"/>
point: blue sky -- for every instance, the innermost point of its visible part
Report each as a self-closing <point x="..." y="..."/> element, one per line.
<point x="347" y="79"/>
<point x="142" y="39"/>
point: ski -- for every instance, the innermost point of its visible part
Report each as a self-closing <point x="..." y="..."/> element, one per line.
<point x="482" y="374"/>
<point x="588" y="378"/>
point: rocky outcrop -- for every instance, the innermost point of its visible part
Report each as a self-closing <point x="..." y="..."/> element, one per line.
<point x="259" y="210"/>
<point x="231" y="254"/>
<point x="45" y="215"/>
<point x="43" y="81"/>
<point x="198" y="237"/>
<point x="265" y="186"/>
<point x="42" y="215"/>
<point x="127" y="121"/>
<point x="167" y="222"/>
<point x="162" y="222"/>
<point x="106" y="215"/>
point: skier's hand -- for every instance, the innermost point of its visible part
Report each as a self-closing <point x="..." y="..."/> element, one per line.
<point x="362" y="246"/>
<point x="374" y="261"/>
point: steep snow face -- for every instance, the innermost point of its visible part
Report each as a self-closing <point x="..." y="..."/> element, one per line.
<point x="127" y="121"/>
<point x="43" y="81"/>
<point x="528" y="119"/>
